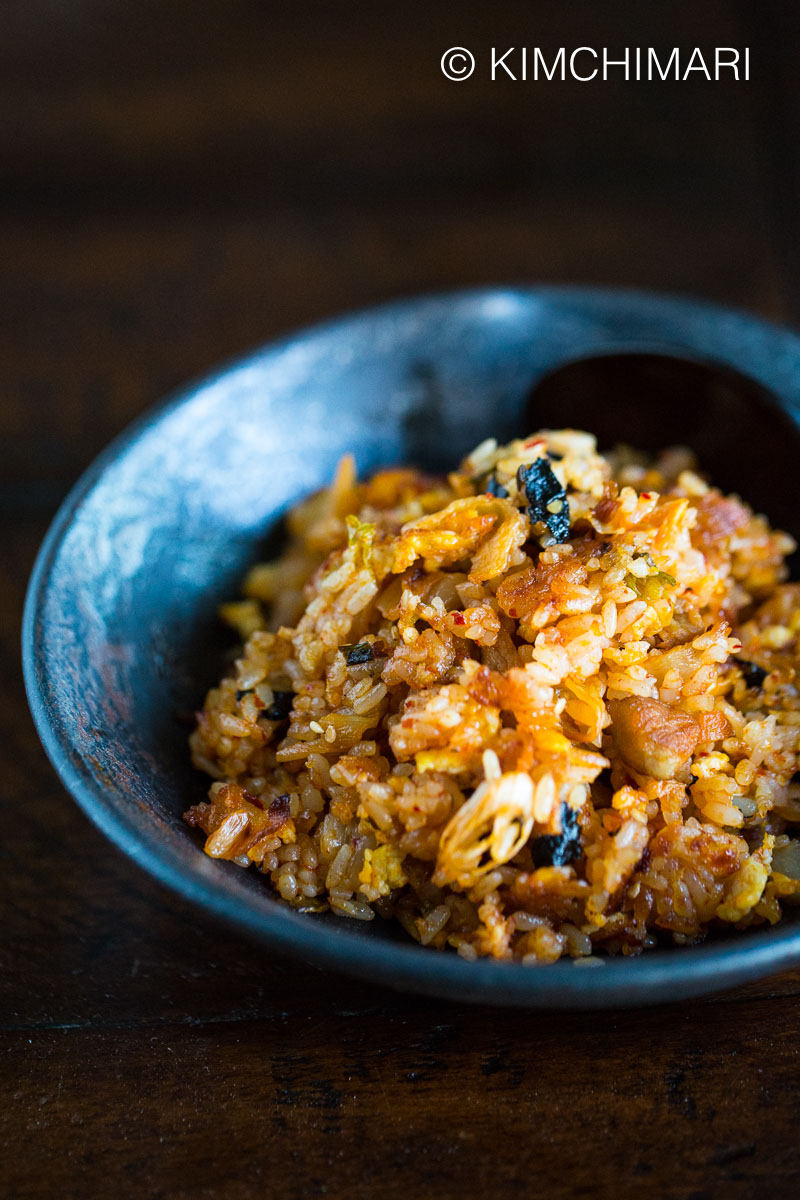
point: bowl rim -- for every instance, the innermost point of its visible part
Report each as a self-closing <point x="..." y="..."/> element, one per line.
<point x="651" y="978"/>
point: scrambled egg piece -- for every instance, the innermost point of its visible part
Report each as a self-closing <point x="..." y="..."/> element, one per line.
<point x="382" y="871"/>
<point x="746" y="887"/>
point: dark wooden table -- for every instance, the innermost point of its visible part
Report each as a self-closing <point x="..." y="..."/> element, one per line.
<point x="181" y="181"/>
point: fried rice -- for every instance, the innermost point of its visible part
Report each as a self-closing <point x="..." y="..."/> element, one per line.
<point x="547" y="706"/>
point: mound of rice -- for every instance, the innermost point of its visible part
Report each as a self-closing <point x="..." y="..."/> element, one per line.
<point x="546" y="706"/>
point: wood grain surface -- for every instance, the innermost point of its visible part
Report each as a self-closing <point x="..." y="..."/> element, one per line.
<point x="181" y="181"/>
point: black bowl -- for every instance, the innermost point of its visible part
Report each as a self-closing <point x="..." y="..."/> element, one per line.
<point x="120" y="632"/>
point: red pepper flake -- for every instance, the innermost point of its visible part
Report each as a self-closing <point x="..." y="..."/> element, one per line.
<point x="459" y="619"/>
<point x="646" y="495"/>
<point x="537" y="441"/>
<point x="251" y="799"/>
<point x="279" y="811"/>
<point x="277" y="816"/>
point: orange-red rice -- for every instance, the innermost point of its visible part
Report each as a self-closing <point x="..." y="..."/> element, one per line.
<point x="540" y="747"/>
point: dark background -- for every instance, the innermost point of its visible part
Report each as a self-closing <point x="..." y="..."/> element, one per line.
<point x="178" y="182"/>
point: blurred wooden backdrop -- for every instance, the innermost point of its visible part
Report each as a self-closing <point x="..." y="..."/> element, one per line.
<point x="180" y="181"/>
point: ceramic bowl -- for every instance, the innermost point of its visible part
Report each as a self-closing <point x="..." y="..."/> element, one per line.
<point x="120" y="632"/>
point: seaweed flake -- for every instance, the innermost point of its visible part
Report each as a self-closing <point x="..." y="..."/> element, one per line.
<point x="558" y="849"/>
<point x="547" y="498"/>
<point x="752" y="674"/>
<point x="495" y="489"/>
<point x="363" y="652"/>
<point x="281" y="706"/>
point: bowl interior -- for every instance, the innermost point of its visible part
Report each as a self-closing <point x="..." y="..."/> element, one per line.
<point x="122" y="637"/>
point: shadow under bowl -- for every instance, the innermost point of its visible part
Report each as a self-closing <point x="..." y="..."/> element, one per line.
<point x="120" y="633"/>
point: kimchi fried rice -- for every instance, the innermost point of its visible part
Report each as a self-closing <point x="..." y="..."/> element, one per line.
<point x="546" y="706"/>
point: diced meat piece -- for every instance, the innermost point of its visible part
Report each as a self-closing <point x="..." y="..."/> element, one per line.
<point x="713" y="726"/>
<point x="552" y="584"/>
<point x="653" y="738"/>
<point x="717" y="518"/>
